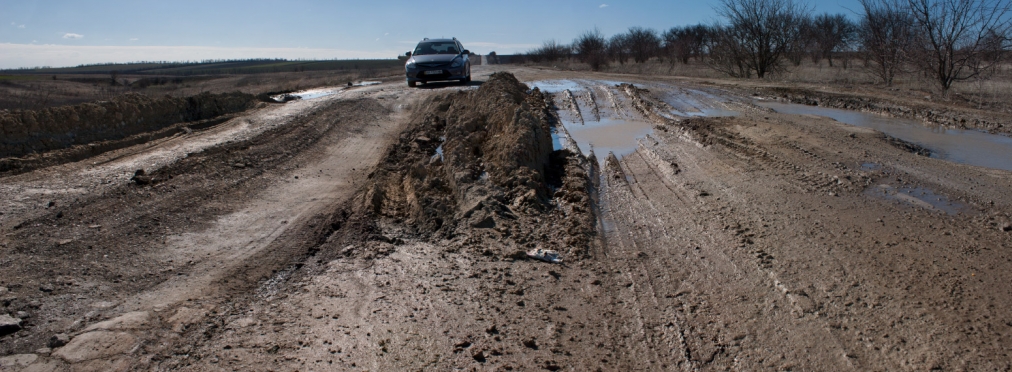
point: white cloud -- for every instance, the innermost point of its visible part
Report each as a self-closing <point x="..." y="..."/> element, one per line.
<point x="14" y="23"/>
<point x="386" y="34"/>
<point x="27" y="55"/>
<point x="134" y="39"/>
<point x="21" y="26"/>
<point x="71" y="35"/>
<point x="602" y="6"/>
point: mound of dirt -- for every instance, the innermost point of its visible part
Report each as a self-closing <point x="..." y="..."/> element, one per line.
<point x="34" y="131"/>
<point x="480" y="164"/>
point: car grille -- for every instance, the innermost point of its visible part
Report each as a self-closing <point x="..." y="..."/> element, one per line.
<point x="432" y="64"/>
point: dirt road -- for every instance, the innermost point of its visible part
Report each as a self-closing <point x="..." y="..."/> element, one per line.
<point x="384" y="228"/>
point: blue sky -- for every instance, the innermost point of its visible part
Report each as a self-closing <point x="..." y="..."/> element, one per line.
<point x="67" y="33"/>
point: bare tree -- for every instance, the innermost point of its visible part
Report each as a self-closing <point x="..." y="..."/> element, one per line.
<point x="727" y="54"/>
<point x="831" y="33"/>
<point x="591" y="47"/>
<point x="885" y="33"/>
<point x="643" y="43"/>
<point x="804" y="44"/>
<point x="549" y="51"/>
<point x="699" y="37"/>
<point x="676" y="44"/>
<point x="682" y="43"/>
<point x="956" y="37"/>
<point x="618" y="48"/>
<point x="763" y="31"/>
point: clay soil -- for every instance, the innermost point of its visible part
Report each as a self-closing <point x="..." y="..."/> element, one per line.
<point x="385" y="228"/>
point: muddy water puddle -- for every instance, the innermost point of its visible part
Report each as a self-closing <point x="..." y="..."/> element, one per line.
<point x="618" y="136"/>
<point x="306" y="94"/>
<point x="320" y="92"/>
<point x="919" y="197"/>
<point x="961" y="146"/>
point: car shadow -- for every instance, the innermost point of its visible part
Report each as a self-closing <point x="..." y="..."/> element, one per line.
<point x="449" y="84"/>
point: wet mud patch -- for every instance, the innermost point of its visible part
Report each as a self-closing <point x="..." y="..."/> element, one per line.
<point x="919" y="196"/>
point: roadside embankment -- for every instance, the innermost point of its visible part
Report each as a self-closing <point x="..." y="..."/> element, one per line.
<point x="35" y="131"/>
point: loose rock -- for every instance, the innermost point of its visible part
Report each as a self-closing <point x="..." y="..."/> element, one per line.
<point x="58" y="340"/>
<point x="9" y="324"/>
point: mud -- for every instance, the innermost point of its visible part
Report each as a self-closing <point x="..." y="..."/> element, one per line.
<point x="759" y="241"/>
<point x="496" y="178"/>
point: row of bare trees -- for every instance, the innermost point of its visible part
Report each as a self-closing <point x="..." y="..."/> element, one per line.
<point x="945" y="40"/>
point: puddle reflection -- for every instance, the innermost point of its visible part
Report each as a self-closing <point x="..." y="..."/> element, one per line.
<point x="920" y="197"/>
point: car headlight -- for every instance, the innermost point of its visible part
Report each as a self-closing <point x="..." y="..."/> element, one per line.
<point x="410" y="65"/>
<point x="457" y="62"/>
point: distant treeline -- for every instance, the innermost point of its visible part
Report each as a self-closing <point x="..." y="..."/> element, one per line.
<point x="213" y="67"/>
<point x="944" y="40"/>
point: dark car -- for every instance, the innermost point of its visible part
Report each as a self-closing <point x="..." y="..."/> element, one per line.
<point x="438" y="60"/>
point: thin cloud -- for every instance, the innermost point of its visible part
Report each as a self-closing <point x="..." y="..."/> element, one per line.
<point x="602" y="6"/>
<point x="499" y="48"/>
<point x="134" y="39"/>
<point x="21" y="26"/>
<point x="26" y="55"/>
<point x="71" y="35"/>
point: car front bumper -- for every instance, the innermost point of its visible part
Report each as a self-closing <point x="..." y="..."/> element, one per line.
<point x="436" y="73"/>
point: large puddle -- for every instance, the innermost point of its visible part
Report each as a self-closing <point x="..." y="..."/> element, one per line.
<point x="961" y="146"/>
<point x="609" y="135"/>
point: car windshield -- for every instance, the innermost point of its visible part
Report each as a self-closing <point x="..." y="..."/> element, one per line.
<point x="436" y="47"/>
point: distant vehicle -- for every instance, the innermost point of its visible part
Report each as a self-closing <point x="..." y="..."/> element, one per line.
<point x="438" y="60"/>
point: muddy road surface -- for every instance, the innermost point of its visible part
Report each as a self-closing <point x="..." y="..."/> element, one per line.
<point x="386" y="228"/>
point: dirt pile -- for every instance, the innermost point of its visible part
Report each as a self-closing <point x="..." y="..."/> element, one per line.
<point x="480" y="164"/>
<point x="934" y="114"/>
<point x="32" y="131"/>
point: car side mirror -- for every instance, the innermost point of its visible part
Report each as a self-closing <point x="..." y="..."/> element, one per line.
<point x="407" y="54"/>
<point x="467" y="51"/>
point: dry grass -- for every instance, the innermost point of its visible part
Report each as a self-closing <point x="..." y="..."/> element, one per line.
<point x="36" y="91"/>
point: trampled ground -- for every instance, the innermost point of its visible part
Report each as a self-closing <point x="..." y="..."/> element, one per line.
<point x="385" y="228"/>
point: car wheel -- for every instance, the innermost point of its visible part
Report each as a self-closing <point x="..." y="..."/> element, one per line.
<point x="412" y="84"/>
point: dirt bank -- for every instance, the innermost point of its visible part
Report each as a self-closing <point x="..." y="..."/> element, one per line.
<point x="35" y="131"/>
<point x="936" y="114"/>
